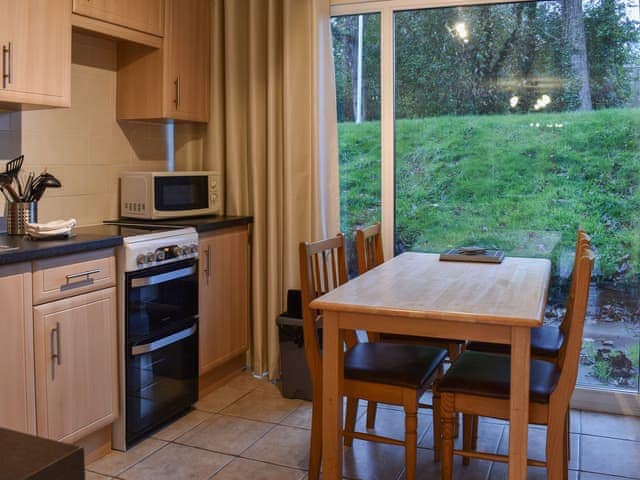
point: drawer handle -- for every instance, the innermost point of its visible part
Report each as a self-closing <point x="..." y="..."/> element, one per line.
<point x="6" y="65"/>
<point x="86" y="274"/>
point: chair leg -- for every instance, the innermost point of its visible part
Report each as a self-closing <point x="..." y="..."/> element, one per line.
<point x="372" y="409"/>
<point x="448" y="418"/>
<point x="315" y="453"/>
<point x="410" y="438"/>
<point x="474" y="436"/>
<point x="437" y="425"/>
<point x="350" y="420"/>
<point x="557" y="464"/>
<point x="467" y="435"/>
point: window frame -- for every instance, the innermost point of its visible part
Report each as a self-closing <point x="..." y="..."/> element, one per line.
<point x="595" y="399"/>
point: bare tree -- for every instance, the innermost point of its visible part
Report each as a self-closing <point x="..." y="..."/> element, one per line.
<point x="573" y="19"/>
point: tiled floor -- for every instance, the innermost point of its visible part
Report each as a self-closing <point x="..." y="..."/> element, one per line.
<point x="246" y="430"/>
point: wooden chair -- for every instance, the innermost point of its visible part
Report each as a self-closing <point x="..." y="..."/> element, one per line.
<point x="382" y="372"/>
<point x="478" y="383"/>
<point x="547" y="340"/>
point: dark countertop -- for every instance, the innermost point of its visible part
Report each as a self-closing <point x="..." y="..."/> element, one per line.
<point x="201" y="224"/>
<point x="28" y="457"/>
<point x="101" y="236"/>
<point x="85" y="239"/>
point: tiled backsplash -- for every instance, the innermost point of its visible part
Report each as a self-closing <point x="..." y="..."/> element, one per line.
<point x="84" y="146"/>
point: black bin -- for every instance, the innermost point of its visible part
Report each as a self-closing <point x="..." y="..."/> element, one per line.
<point x="294" y="372"/>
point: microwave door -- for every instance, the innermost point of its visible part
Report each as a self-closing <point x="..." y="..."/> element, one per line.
<point x="181" y="193"/>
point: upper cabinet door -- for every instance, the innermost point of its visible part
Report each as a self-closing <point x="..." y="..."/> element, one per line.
<point x="187" y="57"/>
<point x="143" y="15"/>
<point x="35" y="38"/>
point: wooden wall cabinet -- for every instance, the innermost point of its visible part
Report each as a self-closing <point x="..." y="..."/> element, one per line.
<point x="35" y="40"/>
<point x="17" y="396"/>
<point x="223" y="296"/>
<point x="143" y="15"/>
<point x="76" y="365"/>
<point x="171" y="82"/>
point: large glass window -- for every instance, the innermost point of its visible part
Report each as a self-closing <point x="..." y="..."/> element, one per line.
<point x="515" y="125"/>
<point x="356" y="49"/>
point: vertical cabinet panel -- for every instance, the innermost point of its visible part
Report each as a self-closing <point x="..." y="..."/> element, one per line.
<point x="224" y="296"/>
<point x="17" y="396"/>
<point x="76" y="365"/>
<point x="35" y="37"/>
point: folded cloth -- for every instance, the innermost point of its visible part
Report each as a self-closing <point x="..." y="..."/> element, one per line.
<point x="66" y="232"/>
<point x="55" y="226"/>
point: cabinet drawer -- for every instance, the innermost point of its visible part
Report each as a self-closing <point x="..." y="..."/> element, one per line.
<point x="71" y="275"/>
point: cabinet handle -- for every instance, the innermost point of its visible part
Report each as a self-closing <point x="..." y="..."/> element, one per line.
<point x="207" y="268"/>
<point x="56" y="354"/>
<point x="86" y="274"/>
<point x="177" y="84"/>
<point x="7" y="60"/>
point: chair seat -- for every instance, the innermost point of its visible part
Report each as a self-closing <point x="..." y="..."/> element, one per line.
<point x="488" y="375"/>
<point x="393" y="363"/>
<point x="546" y="342"/>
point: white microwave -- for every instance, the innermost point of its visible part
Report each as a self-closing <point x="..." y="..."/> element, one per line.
<point x="158" y="195"/>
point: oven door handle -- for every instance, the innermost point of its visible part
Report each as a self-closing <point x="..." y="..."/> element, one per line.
<point x="164" y="342"/>
<point x="163" y="277"/>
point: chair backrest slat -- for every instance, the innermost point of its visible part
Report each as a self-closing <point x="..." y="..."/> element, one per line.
<point x="369" y="247"/>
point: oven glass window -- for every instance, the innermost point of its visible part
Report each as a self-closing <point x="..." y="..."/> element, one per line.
<point x="161" y="301"/>
<point x="181" y="193"/>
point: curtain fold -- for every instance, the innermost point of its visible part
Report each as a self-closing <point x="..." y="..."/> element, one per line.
<point x="273" y="134"/>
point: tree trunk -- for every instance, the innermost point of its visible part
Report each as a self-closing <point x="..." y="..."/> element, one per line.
<point x="576" y="42"/>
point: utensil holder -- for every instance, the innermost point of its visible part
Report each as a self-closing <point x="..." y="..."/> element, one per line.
<point x="19" y="214"/>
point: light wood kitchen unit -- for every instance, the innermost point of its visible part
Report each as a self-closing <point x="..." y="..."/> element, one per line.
<point x="223" y="296"/>
<point x="174" y="78"/>
<point x="76" y="365"/>
<point x="17" y="396"/>
<point x="35" y="39"/>
<point x="142" y="15"/>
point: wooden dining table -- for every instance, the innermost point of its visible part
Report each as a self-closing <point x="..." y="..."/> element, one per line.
<point x="417" y="294"/>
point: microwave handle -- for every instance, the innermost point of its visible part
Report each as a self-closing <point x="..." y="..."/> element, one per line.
<point x="163" y="277"/>
<point x="164" y="342"/>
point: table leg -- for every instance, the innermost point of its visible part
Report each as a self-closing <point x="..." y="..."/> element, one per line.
<point x="519" y="402"/>
<point x="332" y="373"/>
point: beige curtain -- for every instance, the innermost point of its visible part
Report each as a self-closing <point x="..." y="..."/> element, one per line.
<point x="273" y="134"/>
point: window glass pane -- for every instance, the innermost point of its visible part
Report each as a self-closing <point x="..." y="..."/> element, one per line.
<point x="356" y="50"/>
<point x="516" y="124"/>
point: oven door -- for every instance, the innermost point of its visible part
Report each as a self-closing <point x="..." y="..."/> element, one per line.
<point x="161" y="345"/>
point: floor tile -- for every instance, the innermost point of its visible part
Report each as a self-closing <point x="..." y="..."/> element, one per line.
<point x="489" y="436"/>
<point x="242" y="469"/>
<point x="609" y="456"/>
<point x="537" y="445"/>
<point x="428" y="470"/>
<point x="390" y="423"/>
<point x="372" y="461"/>
<point x="300" y="417"/>
<point x="615" y="426"/>
<point x="116" y="462"/>
<point x="499" y="472"/>
<point x="597" y="476"/>
<point x="246" y="381"/>
<point x="230" y="435"/>
<point x="220" y="399"/>
<point x="287" y="446"/>
<point x="575" y="425"/>
<point x="94" y="476"/>
<point x="263" y="405"/>
<point x="177" y="462"/>
<point x="182" y="425"/>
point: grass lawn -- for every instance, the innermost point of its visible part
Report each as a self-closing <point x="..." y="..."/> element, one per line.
<point x="523" y="183"/>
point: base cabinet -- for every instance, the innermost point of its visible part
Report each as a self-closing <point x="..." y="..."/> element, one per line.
<point x="76" y="365"/>
<point x="223" y="296"/>
<point x="17" y="398"/>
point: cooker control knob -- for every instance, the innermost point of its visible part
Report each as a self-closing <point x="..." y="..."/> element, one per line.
<point x="159" y="255"/>
<point x="141" y="259"/>
<point x="194" y="248"/>
<point x="150" y="257"/>
<point x="177" y="251"/>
